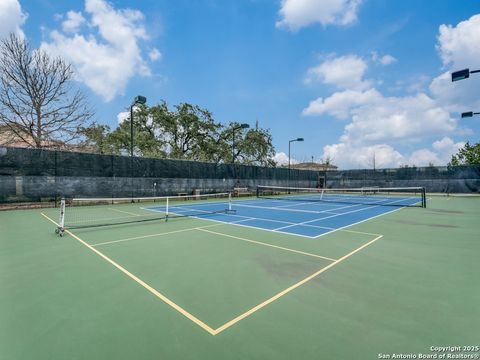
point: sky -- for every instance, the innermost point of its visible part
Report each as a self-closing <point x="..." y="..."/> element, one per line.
<point x="357" y="79"/>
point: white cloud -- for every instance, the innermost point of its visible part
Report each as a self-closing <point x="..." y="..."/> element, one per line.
<point x="387" y="60"/>
<point x="381" y="124"/>
<point x="340" y="103"/>
<point x="383" y="60"/>
<point x="296" y="14"/>
<point x="155" y="54"/>
<point x="282" y="159"/>
<point x="12" y="18"/>
<point x="344" y="72"/>
<point x="458" y="49"/>
<point x="388" y="119"/>
<point x="459" y="44"/>
<point x="110" y="55"/>
<point x="122" y="116"/>
<point x="347" y="156"/>
<point x="446" y="147"/>
<point x="376" y="118"/>
<point x="411" y="84"/>
<point x="73" y="22"/>
<point x="440" y="153"/>
<point x="424" y="157"/>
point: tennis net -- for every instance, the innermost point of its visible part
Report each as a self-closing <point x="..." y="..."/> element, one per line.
<point x="96" y="212"/>
<point x="399" y="196"/>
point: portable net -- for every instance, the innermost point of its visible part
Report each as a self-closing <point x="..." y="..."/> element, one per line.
<point x="98" y="212"/>
<point x="398" y="196"/>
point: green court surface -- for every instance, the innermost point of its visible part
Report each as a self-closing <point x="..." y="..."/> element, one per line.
<point x="195" y="289"/>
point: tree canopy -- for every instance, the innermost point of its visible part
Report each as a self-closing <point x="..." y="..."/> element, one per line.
<point x="468" y="155"/>
<point x="186" y="132"/>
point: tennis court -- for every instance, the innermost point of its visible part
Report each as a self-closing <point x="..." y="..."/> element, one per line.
<point x="302" y="213"/>
<point x="286" y="274"/>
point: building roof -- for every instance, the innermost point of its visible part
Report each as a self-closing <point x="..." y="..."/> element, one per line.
<point x="313" y="166"/>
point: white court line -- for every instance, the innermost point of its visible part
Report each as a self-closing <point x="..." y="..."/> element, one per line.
<point x="124" y="212"/>
<point x="156" y="235"/>
<point x="246" y="218"/>
<point x="277" y="221"/>
<point x="249" y="218"/>
<point x="146" y="236"/>
<point x="359" y="222"/>
<point x="332" y="216"/>
<point x="279" y="230"/>
<point x="250" y="227"/>
<point x="312" y="211"/>
<point x="235" y="222"/>
<point x="306" y="203"/>
<point x="280" y="209"/>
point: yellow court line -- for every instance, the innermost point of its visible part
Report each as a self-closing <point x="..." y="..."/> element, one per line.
<point x="142" y="283"/>
<point x="269" y="245"/>
<point x="153" y="235"/>
<point x="280" y="294"/>
<point x="124" y="212"/>
<point x="236" y="319"/>
<point x="359" y="232"/>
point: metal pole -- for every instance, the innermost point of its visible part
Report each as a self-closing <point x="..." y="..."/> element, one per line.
<point x="131" y="151"/>
<point x="233" y="156"/>
<point x="288" y="177"/>
<point x="131" y="130"/>
<point x="233" y="145"/>
<point x="289" y="155"/>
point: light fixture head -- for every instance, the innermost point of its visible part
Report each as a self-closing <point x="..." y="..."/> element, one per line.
<point x="461" y="74"/>
<point x="140" y="100"/>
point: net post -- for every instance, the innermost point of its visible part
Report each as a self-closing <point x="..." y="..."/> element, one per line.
<point x="166" y="211"/>
<point x="229" y="201"/>
<point x="61" y="221"/>
<point x="424" y="198"/>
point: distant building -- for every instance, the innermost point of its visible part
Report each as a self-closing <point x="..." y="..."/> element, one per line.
<point x="9" y="138"/>
<point x="314" y="166"/>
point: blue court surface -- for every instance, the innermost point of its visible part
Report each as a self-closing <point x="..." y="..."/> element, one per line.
<point x="303" y="218"/>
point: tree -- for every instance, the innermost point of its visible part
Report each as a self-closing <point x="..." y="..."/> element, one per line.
<point x="187" y="132"/>
<point x="327" y="162"/>
<point x="252" y="146"/>
<point x="96" y="138"/>
<point x="468" y="155"/>
<point x="37" y="102"/>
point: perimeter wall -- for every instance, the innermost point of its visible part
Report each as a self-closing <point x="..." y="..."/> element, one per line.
<point x="443" y="179"/>
<point x="43" y="175"/>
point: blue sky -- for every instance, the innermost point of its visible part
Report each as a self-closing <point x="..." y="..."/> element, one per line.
<point x="355" y="78"/>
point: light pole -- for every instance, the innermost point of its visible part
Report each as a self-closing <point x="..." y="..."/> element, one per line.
<point x="463" y="74"/>
<point x="289" y="146"/>
<point x="469" y="114"/>
<point x="139" y="100"/>
<point x="241" y="126"/>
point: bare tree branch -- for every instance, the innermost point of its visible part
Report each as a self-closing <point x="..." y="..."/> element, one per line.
<point x="37" y="102"/>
